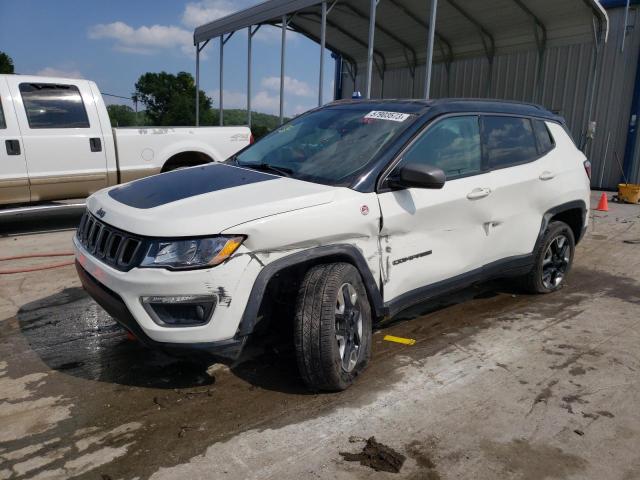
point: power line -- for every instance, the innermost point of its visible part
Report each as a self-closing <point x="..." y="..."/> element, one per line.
<point x="118" y="96"/>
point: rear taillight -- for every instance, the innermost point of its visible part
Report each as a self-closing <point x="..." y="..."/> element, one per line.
<point x="251" y="139"/>
<point x="587" y="168"/>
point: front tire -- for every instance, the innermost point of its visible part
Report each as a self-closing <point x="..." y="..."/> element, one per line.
<point x="552" y="259"/>
<point x="332" y="327"/>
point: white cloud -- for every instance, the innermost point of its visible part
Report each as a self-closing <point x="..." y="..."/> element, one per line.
<point x="292" y="86"/>
<point x="60" y="72"/>
<point x="262" y="101"/>
<point x="143" y="40"/>
<point x="199" y="13"/>
<point x="147" y="40"/>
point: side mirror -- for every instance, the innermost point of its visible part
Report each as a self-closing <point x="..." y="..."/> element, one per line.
<point x="418" y="175"/>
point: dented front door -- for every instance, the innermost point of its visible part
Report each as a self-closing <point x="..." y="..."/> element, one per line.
<point x="429" y="236"/>
<point x="433" y="235"/>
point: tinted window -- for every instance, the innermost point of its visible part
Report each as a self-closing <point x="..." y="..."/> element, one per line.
<point x="545" y="142"/>
<point x="2" y="122"/>
<point x="53" y="106"/>
<point x="452" y="144"/>
<point x="509" y="141"/>
<point x="329" y="146"/>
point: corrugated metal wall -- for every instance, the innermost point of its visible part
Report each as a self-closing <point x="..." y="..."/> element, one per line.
<point x="565" y="87"/>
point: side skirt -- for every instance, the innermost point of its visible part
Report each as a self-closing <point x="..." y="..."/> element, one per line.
<point x="508" y="267"/>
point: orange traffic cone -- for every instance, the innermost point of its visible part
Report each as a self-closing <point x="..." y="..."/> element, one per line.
<point x="603" y="204"/>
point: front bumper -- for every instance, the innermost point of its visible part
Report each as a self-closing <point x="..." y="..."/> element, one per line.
<point x="228" y="350"/>
<point x="120" y="293"/>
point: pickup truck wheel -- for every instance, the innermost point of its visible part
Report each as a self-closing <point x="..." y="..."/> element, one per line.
<point x="332" y="328"/>
<point x="552" y="259"/>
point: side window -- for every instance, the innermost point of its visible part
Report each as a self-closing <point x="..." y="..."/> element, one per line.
<point x="545" y="140"/>
<point x="53" y="106"/>
<point x="508" y="141"/>
<point x="452" y="144"/>
<point x="3" y="124"/>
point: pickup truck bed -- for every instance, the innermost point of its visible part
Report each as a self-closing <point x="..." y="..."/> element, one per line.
<point x="56" y="142"/>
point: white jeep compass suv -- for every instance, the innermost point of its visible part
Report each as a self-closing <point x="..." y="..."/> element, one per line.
<point x="360" y="208"/>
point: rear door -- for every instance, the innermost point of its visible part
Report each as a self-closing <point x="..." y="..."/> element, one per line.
<point x="61" y="135"/>
<point x="431" y="236"/>
<point x="523" y="182"/>
<point x="14" y="179"/>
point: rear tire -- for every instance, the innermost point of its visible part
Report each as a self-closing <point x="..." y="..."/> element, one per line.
<point x="552" y="260"/>
<point x="332" y="327"/>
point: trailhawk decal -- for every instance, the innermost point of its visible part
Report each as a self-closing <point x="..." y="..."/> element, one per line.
<point x="384" y="115"/>
<point x="411" y="257"/>
<point x="170" y="187"/>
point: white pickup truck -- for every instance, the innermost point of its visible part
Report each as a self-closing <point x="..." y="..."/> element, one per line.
<point x="56" y="142"/>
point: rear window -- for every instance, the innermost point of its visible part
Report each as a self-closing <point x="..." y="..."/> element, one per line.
<point x="545" y="140"/>
<point x="53" y="106"/>
<point x="508" y="141"/>
<point x="2" y="122"/>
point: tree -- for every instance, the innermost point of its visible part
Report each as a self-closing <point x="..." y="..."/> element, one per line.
<point x="6" y="63"/>
<point x="169" y="99"/>
<point x="121" y="115"/>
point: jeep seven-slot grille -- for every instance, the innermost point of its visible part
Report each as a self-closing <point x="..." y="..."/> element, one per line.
<point x="114" y="247"/>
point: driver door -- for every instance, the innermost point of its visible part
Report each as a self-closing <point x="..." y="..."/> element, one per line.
<point x="429" y="237"/>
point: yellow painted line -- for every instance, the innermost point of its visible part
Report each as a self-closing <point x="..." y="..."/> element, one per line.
<point x="404" y="341"/>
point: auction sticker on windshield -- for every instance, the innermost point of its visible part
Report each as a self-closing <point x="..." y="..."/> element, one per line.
<point x="382" y="115"/>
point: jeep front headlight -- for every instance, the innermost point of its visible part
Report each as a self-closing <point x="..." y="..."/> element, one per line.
<point x="190" y="253"/>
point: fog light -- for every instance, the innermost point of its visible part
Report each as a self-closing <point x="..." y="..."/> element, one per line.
<point x="179" y="311"/>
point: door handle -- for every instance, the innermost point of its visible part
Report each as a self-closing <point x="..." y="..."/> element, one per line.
<point x="95" y="144"/>
<point x="477" y="193"/>
<point x="547" y="175"/>
<point x="13" y="147"/>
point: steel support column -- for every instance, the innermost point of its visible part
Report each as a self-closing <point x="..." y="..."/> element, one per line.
<point x="429" y="64"/>
<point x="220" y="99"/>
<point x="282" y="58"/>
<point x="323" y="35"/>
<point x="223" y="41"/>
<point x="249" y="37"/>
<point x="197" y="85"/>
<point x="372" y="29"/>
<point x="250" y="33"/>
<point x="198" y="50"/>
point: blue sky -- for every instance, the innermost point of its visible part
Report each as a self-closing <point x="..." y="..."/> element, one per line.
<point x="114" y="42"/>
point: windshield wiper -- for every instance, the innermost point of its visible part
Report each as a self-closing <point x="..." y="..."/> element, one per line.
<point x="266" y="167"/>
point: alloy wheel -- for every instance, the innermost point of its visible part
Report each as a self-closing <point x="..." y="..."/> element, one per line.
<point x="348" y="326"/>
<point x="555" y="262"/>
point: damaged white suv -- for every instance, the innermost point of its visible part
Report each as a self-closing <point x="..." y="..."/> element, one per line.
<point x="348" y="213"/>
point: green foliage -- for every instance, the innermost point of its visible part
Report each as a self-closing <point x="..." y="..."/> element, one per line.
<point x="6" y="63"/>
<point x="125" y="116"/>
<point x="169" y="100"/>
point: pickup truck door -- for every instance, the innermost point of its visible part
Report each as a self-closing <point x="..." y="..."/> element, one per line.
<point x="62" y="137"/>
<point x="14" y="179"/>
<point x="431" y="236"/>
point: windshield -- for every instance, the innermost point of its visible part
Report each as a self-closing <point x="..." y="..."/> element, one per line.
<point x="329" y="146"/>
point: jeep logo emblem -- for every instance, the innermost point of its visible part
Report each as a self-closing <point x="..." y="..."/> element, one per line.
<point x="101" y="213"/>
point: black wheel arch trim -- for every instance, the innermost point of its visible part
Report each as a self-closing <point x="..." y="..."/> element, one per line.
<point x="552" y="212"/>
<point x="328" y="252"/>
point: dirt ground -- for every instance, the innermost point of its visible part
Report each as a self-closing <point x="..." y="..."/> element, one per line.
<point x="497" y="385"/>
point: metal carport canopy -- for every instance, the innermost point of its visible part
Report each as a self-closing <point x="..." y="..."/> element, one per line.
<point x="464" y="28"/>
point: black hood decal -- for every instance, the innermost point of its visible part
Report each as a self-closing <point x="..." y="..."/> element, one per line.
<point x="180" y="184"/>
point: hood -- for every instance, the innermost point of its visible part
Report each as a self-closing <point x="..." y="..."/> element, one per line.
<point x="202" y="200"/>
